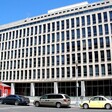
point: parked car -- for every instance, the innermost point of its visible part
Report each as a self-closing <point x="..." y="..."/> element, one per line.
<point x="15" y="99"/>
<point x="57" y="100"/>
<point x="97" y="102"/>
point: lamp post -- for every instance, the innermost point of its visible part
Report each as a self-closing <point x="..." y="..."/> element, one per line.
<point x="77" y="85"/>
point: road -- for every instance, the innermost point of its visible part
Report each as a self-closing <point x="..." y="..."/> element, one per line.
<point x="31" y="108"/>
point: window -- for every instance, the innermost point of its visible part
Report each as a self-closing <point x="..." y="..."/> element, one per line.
<point x="101" y="42"/>
<point x="77" y="22"/>
<point x="62" y="59"/>
<point x="90" y="70"/>
<point x="89" y="31"/>
<point x="73" y="46"/>
<point x="95" y="43"/>
<point x="78" y="45"/>
<point x="103" y="69"/>
<point x="53" y="49"/>
<point x="79" y="57"/>
<point x="83" y="33"/>
<point x="53" y="26"/>
<point x="57" y="72"/>
<point x="62" y="36"/>
<point x="108" y="55"/>
<point x="83" y="20"/>
<point x="97" y="70"/>
<point x="72" y="23"/>
<point x="89" y="44"/>
<point x="58" y="25"/>
<point x="94" y="31"/>
<point x="62" y="47"/>
<point x="105" y="16"/>
<point x="72" y="34"/>
<point x="85" y="71"/>
<point x="99" y="18"/>
<point x="57" y="60"/>
<point x="102" y="55"/>
<point x="96" y="56"/>
<point x="78" y="33"/>
<point x="68" y="71"/>
<point x="68" y="58"/>
<point x="90" y="57"/>
<point x="67" y="23"/>
<point x="58" y="48"/>
<point x="84" y="58"/>
<point x="107" y="42"/>
<point x="100" y="30"/>
<point x="106" y="29"/>
<point x="94" y="18"/>
<point x="68" y="46"/>
<point x="88" y="20"/>
<point x="62" y="24"/>
<point x="109" y="67"/>
<point x="110" y="14"/>
<point x="84" y="44"/>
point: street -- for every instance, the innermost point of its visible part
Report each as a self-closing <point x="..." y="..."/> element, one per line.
<point x="31" y="108"/>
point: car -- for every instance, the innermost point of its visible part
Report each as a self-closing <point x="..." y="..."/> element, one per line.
<point x="52" y="99"/>
<point x="97" y="102"/>
<point x="15" y="99"/>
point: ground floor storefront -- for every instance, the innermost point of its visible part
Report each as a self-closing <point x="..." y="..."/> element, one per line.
<point x="85" y="88"/>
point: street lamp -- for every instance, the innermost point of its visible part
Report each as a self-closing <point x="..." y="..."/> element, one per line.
<point x="77" y="85"/>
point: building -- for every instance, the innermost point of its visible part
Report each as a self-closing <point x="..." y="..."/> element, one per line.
<point x="39" y="54"/>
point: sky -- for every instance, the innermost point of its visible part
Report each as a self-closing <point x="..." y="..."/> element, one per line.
<point x="15" y="10"/>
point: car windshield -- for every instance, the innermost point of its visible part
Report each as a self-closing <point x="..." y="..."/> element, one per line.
<point x="109" y="98"/>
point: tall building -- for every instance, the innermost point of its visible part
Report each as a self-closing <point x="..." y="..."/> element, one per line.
<point x="39" y="54"/>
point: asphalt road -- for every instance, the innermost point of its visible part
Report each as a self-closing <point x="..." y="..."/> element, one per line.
<point x="31" y="108"/>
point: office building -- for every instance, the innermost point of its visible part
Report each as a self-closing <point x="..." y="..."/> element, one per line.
<point x="38" y="55"/>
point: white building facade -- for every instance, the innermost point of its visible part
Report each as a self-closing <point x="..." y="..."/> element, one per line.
<point x="38" y="54"/>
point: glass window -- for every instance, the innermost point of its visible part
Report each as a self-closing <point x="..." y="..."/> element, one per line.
<point x="53" y="26"/>
<point x="100" y="30"/>
<point x="78" y="33"/>
<point x="53" y="60"/>
<point x="68" y="58"/>
<point x="110" y="14"/>
<point x="73" y="46"/>
<point x="99" y="18"/>
<point x="108" y="55"/>
<point x="85" y="71"/>
<point x="73" y="34"/>
<point x="62" y="36"/>
<point x="94" y="31"/>
<point x="84" y="44"/>
<point x="58" y="48"/>
<point x="101" y="42"/>
<point x="109" y="66"/>
<point x="58" y="36"/>
<point x="58" y="60"/>
<point x="67" y="35"/>
<point x="73" y="58"/>
<point x="90" y="57"/>
<point x="103" y="69"/>
<point x="68" y="71"/>
<point x="105" y="16"/>
<point x="83" y="20"/>
<point x="78" y="45"/>
<point x="89" y="44"/>
<point x="63" y="47"/>
<point x="97" y="70"/>
<point x="77" y="22"/>
<point x="62" y="59"/>
<point x="72" y="23"/>
<point x="63" y="72"/>
<point x="53" y="37"/>
<point x="67" y="23"/>
<point x="39" y="61"/>
<point x="62" y="24"/>
<point x="107" y="42"/>
<point x="58" y="25"/>
<point x="48" y="38"/>
<point x="102" y="55"/>
<point x="53" y="49"/>
<point x="83" y="33"/>
<point x="94" y="18"/>
<point x="84" y="58"/>
<point x="48" y="49"/>
<point x="52" y="72"/>
<point x="68" y="46"/>
<point x="79" y="57"/>
<point x="48" y="27"/>
<point x="95" y="43"/>
<point x="106" y="29"/>
<point x="89" y="31"/>
<point x="88" y="20"/>
<point x="57" y="72"/>
<point x="96" y="56"/>
<point x="90" y="70"/>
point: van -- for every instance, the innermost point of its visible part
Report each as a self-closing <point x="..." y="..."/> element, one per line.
<point x="57" y="100"/>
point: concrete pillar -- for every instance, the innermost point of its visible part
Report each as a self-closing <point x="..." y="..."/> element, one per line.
<point x="55" y="87"/>
<point x="32" y="89"/>
<point x="82" y="88"/>
<point x="12" y="88"/>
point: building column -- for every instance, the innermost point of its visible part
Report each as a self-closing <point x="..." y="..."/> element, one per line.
<point x="82" y="88"/>
<point x="55" y="87"/>
<point x="32" y="89"/>
<point x="12" y="88"/>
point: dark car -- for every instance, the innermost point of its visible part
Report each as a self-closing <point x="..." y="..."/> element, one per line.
<point x="16" y="100"/>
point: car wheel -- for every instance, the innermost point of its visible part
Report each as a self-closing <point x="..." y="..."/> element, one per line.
<point x="85" y="106"/>
<point x="107" y="106"/>
<point x="58" y="105"/>
<point x="16" y="103"/>
<point x="37" y="104"/>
